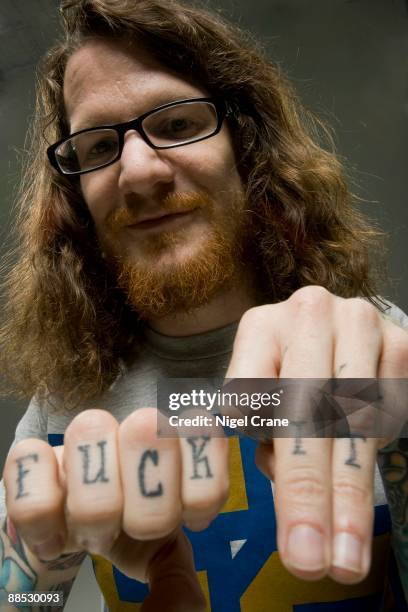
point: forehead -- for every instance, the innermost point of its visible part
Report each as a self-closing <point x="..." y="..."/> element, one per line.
<point x="110" y="81"/>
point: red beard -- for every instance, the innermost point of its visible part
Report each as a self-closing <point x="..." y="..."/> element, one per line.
<point x="159" y="290"/>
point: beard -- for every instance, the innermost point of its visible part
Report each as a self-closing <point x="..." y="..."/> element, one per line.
<point x="156" y="283"/>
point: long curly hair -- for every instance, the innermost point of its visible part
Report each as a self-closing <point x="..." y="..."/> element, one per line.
<point x="68" y="327"/>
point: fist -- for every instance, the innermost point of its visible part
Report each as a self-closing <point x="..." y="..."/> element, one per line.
<point x="323" y="487"/>
<point x="121" y="492"/>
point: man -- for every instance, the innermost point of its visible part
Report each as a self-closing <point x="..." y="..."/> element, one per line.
<point x="183" y="195"/>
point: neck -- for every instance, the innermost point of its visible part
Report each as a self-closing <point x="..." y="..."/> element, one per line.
<point x="222" y="310"/>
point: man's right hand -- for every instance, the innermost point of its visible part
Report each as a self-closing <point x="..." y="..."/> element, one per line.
<point x="121" y="492"/>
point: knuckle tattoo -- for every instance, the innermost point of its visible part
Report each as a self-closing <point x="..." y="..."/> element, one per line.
<point x="85" y="451"/>
<point x="201" y="464"/>
<point x="150" y="456"/>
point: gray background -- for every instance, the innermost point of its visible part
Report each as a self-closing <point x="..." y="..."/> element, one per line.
<point x="348" y="59"/>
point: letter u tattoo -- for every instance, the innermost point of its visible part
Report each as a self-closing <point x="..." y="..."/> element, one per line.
<point x="100" y="476"/>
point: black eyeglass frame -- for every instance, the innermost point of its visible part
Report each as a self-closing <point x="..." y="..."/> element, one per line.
<point x="136" y="124"/>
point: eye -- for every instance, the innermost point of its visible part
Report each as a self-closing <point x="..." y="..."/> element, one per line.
<point x="179" y="123"/>
<point x="102" y="148"/>
<point x="96" y="147"/>
<point x="178" y="127"/>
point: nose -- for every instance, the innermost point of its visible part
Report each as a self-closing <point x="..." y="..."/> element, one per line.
<point x="143" y="169"/>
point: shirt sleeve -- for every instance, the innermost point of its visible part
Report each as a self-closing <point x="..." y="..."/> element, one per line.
<point x="397" y="315"/>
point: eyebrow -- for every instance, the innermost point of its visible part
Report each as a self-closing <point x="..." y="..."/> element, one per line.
<point x="88" y="124"/>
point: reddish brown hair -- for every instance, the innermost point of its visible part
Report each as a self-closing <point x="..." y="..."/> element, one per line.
<point x="67" y="325"/>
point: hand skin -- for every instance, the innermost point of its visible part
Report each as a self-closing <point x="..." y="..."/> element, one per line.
<point x="323" y="500"/>
<point x="121" y="492"/>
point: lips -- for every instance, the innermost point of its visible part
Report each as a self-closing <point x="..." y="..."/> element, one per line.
<point x="152" y="221"/>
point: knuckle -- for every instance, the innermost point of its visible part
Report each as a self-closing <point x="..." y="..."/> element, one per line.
<point x="362" y="312"/>
<point x="257" y="322"/>
<point x="90" y="422"/>
<point x="92" y="515"/>
<point x="152" y="527"/>
<point x="253" y="316"/>
<point x="140" y="425"/>
<point x="304" y="486"/>
<point x="395" y="351"/>
<point x="352" y="493"/>
<point x="311" y="298"/>
<point x="25" y="447"/>
<point x="38" y="510"/>
<point x="397" y="345"/>
<point x="201" y="504"/>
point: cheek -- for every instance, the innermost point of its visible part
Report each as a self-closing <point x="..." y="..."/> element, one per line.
<point x="214" y="168"/>
<point x="99" y="192"/>
<point x="224" y="164"/>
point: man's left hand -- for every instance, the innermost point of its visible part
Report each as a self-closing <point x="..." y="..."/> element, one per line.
<point x="323" y="500"/>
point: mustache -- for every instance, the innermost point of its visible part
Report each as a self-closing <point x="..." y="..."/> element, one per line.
<point x="173" y="203"/>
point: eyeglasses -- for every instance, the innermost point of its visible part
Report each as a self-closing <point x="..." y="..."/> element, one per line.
<point x="172" y="125"/>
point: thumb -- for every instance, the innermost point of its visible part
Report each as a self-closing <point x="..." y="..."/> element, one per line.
<point x="173" y="582"/>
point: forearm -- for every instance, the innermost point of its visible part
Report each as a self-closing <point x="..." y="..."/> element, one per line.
<point x="22" y="572"/>
<point x="393" y="463"/>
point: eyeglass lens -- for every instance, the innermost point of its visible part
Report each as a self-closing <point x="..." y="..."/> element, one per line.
<point x="167" y="127"/>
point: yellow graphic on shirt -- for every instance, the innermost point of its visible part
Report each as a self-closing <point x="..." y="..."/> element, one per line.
<point x="237" y="499"/>
<point x="275" y="586"/>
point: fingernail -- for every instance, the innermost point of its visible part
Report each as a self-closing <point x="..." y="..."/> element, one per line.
<point x="50" y="549"/>
<point x="305" y="549"/>
<point x="347" y="552"/>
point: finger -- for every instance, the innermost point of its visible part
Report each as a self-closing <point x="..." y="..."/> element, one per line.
<point x="303" y="506"/>
<point x="394" y="356"/>
<point x="150" y="468"/>
<point x="256" y="353"/>
<point x="205" y="478"/>
<point x="302" y="479"/>
<point x="172" y="579"/>
<point x="393" y="365"/>
<point x="94" y="491"/>
<point x="357" y="351"/>
<point x="34" y="497"/>
<point x="307" y="336"/>
<point x="59" y="455"/>
<point x="358" y="332"/>
<point x="353" y="514"/>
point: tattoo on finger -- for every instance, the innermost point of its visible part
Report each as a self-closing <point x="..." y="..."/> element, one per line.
<point x="298" y="448"/>
<point x="339" y="370"/>
<point x="100" y="475"/>
<point x="22" y="473"/>
<point x="201" y="465"/>
<point x="352" y="459"/>
<point x="152" y="456"/>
